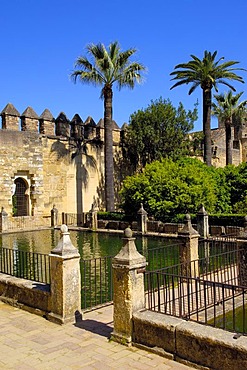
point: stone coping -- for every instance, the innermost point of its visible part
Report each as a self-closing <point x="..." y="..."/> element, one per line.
<point x="190" y="342"/>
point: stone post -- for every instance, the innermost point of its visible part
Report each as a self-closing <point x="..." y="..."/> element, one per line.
<point x="189" y="249"/>
<point x="242" y="256"/>
<point x="3" y="220"/>
<point x="142" y="220"/>
<point x="65" y="280"/>
<point x="128" y="287"/>
<point x="202" y="223"/>
<point x="93" y="219"/>
<point x="245" y="224"/>
<point x="54" y="216"/>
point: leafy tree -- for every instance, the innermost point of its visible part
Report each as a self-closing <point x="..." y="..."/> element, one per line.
<point x="206" y="73"/>
<point x="236" y="180"/>
<point x="168" y="188"/>
<point x="106" y="68"/>
<point x="227" y="108"/>
<point x="158" y="131"/>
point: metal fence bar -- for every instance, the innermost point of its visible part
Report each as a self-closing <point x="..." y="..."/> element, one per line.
<point x="209" y="302"/>
<point x="96" y="275"/>
<point x="26" y="265"/>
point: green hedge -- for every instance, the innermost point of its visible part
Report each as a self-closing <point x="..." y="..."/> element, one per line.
<point x="114" y="216"/>
<point x="227" y="220"/>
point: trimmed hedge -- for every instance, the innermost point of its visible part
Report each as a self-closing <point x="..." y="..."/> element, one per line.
<point x="114" y="216"/>
<point x="227" y="220"/>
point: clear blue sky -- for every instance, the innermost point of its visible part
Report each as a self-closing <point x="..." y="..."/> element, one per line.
<point x="41" y="39"/>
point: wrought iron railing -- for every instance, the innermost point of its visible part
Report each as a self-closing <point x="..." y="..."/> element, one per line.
<point x="96" y="281"/>
<point x="213" y="303"/>
<point x="26" y="265"/>
<point x="96" y="274"/>
<point x="163" y="256"/>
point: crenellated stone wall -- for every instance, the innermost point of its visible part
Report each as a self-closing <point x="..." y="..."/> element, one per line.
<point x="41" y="151"/>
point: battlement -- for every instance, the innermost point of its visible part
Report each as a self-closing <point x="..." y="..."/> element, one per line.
<point x="46" y="124"/>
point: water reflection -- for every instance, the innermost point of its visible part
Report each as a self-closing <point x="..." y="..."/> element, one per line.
<point x="90" y="245"/>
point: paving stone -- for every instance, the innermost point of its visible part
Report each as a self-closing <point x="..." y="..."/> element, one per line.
<point x="29" y="342"/>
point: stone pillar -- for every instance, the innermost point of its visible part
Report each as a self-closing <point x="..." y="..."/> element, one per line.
<point x="202" y="223"/>
<point x="242" y="256"/>
<point x="54" y="216"/>
<point x="245" y="224"/>
<point x="3" y="220"/>
<point x="142" y="220"/>
<point x="93" y="219"/>
<point x="189" y="249"/>
<point x="128" y="287"/>
<point x="65" y="280"/>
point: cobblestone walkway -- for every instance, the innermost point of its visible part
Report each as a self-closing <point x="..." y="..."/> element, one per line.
<point x="29" y="342"/>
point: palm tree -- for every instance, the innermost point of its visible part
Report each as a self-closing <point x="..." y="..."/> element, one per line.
<point x="107" y="68"/>
<point x="206" y="73"/>
<point x="228" y="108"/>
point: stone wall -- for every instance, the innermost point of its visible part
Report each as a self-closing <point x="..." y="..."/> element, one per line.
<point x="189" y="342"/>
<point x="39" y="150"/>
<point x="32" y="296"/>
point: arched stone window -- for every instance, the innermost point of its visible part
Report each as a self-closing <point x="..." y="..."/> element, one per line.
<point x="20" y="198"/>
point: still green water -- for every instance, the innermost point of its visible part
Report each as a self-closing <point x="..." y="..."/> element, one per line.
<point x="234" y="321"/>
<point x="90" y="245"/>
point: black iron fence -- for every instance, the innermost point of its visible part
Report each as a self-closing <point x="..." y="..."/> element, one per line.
<point x="26" y="265"/>
<point x="218" y="304"/>
<point x="163" y="256"/>
<point x="96" y="282"/>
<point x="218" y="260"/>
<point x="208" y="290"/>
<point x="96" y="273"/>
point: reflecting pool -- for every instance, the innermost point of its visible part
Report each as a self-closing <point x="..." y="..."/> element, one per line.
<point x="89" y="244"/>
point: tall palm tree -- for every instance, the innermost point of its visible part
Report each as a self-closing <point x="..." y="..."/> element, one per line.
<point x="206" y="73"/>
<point x="227" y="108"/>
<point x="107" y="68"/>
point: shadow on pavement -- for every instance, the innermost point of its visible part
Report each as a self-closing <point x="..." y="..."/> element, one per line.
<point x="95" y="327"/>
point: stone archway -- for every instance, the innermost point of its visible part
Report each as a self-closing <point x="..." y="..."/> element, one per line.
<point x="20" y="198"/>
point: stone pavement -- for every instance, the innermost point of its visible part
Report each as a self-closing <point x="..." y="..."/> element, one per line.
<point x="29" y="342"/>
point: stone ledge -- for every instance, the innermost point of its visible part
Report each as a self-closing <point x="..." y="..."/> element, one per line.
<point x="29" y="295"/>
<point x="150" y="329"/>
<point x="192" y="343"/>
<point x="212" y="347"/>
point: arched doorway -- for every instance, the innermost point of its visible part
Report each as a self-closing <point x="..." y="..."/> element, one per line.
<point x="20" y="198"/>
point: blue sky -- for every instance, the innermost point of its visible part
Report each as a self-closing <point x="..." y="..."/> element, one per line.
<point x="41" y="39"/>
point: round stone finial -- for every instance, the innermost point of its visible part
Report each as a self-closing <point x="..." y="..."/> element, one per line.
<point x="128" y="233"/>
<point x="64" y="228"/>
<point x="187" y="217"/>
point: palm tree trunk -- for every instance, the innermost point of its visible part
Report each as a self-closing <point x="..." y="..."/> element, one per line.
<point x="207" y="101"/>
<point x="108" y="150"/>
<point x="228" y="142"/>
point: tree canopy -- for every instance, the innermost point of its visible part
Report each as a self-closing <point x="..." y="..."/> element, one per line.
<point x="106" y="67"/>
<point x="168" y="188"/>
<point x="207" y="73"/>
<point x="158" y="131"/>
<point x="229" y="111"/>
